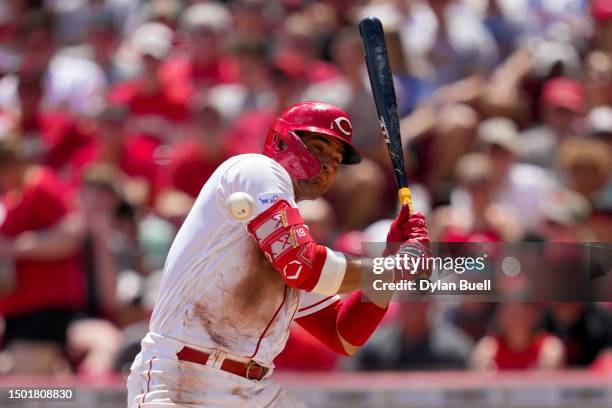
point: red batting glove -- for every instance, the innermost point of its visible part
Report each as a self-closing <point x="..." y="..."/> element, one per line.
<point x="396" y="234"/>
<point x="416" y="248"/>
<point x="418" y="241"/>
<point x="407" y="226"/>
<point x="415" y="229"/>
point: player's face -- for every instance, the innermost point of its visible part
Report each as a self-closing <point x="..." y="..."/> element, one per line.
<point x="329" y="153"/>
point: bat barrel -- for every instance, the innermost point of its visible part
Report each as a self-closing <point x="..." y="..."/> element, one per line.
<point x="381" y="80"/>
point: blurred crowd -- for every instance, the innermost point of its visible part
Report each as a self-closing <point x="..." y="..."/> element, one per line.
<point x="113" y="114"/>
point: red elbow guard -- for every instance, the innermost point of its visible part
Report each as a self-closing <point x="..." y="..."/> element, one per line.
<point x="285" y="240"/>
<point x="357" y="319"/>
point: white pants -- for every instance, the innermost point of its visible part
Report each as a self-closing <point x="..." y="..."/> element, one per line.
<point x="166" y="382"/>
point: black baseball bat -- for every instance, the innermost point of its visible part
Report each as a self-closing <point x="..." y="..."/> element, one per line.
<point x="381" y="80"/>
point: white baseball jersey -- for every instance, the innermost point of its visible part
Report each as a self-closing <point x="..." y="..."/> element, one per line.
<point x="218" y="291"/>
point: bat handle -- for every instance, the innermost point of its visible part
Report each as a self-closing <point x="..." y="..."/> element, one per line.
<point x="405" y="198"/>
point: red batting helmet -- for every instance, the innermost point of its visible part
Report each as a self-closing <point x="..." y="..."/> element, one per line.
<point x="315" y="117"/>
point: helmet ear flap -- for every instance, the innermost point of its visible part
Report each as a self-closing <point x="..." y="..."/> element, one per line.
<point x="290" y="152"/>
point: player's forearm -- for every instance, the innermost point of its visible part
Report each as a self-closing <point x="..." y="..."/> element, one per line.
<point x="352" y="282"/>
<point x="346" y="325"/>
<point x="352" y="276"/>
<point x="358" y="317"/>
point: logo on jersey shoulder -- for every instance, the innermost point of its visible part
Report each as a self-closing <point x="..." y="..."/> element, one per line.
<point x="265" y="200"/>
<point x="292" y="270"/>
<point x="343" y="124"/>
<point x="268" y="200"/>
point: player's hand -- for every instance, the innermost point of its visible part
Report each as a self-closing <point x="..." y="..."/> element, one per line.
<point x="408" y="226"/>
<point x="417" y="243"/>
<point x="418" y="248"/>
<point x="415" y="229"/>
<point x="395" y="230"/>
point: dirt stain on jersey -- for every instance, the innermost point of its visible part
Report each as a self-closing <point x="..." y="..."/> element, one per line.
<point x="189" y="384"/>
<point x="245" y="307"/>
<point x="202" y="313"/>
<point x="240" y="392"/>
<point x="261" y="290"/>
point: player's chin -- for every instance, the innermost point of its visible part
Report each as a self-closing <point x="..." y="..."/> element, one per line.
<point x="313" y="189"/>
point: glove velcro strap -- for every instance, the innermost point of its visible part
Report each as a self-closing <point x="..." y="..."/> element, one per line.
<point x="415" y="249"/>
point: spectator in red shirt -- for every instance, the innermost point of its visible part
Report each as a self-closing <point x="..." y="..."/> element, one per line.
<point x="273" y="88"/>
<point x="49" y="137"/>
<point x="517" y="343"/>
<point x="199" y="154"/>
<point x="156" y="105"/>
<point x="484" y="220"/>
<point x="134" y="156"/>
<point x="298" y="44"/>
<point x="40" y="237"/>
<point x="201" y="62"/>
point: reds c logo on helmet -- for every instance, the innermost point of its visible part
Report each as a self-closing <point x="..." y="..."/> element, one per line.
<point x="283" y="143"/>
<point x="344" y="125"/>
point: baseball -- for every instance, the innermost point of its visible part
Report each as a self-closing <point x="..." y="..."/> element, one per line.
<point x="241" y="205"/>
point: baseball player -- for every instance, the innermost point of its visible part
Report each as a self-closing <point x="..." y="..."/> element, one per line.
<point x="243" y="266"/>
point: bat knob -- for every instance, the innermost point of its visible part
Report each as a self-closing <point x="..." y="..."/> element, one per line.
<point x="370" y="23"/>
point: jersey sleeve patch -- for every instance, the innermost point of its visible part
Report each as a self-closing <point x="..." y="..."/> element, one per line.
<point x="264" y="201"/>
